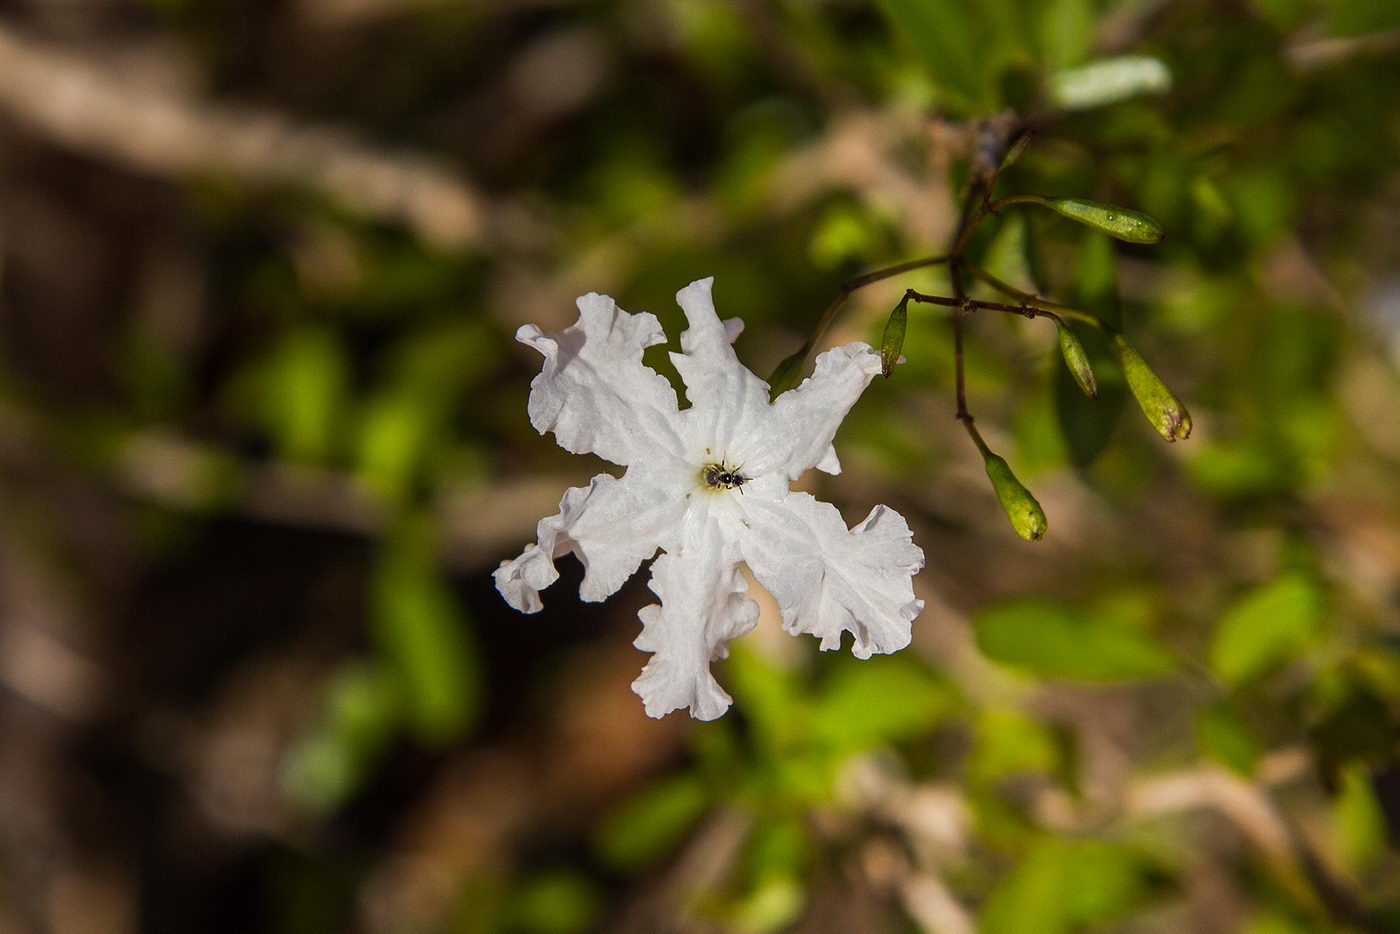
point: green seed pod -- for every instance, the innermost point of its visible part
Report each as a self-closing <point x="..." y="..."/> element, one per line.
<point x="1132" y="226"/>
<point x="893" y="341"/>
<point x="1078" y="362"/>
<point x="1026" y="516"/>
<point x="1161" y="406"/>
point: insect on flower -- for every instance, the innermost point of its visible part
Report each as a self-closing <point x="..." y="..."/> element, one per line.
<point x="597" y="396"/>
<point x="722" y="477"/>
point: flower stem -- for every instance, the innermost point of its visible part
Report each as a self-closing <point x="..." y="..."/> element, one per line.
<point x="787" y="372"/>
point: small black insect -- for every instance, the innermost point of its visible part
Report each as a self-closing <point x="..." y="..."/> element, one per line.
<point x="722" y="477"/>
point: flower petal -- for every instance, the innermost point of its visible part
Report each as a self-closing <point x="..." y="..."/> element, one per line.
<point x="612" y="525"/>
<point x="803" y="421"/>
<point x="726" y="398"/>
<point x="702" y="607"/>
<point x="595" y="393"/>
<point x="827" y="579"/>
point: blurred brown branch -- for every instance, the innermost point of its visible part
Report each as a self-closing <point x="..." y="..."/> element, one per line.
<point x="197" y="478"/>
<point x="91" y="109"/>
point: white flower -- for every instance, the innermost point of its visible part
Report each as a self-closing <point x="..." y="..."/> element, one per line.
<point x="708" y="486"/>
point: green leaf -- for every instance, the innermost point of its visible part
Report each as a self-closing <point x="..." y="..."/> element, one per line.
<point x="943" y="36"/>
<point x="1056" y="641"/>
<point x="879" y="700"/>
<point x="409" y="412"/>
<point x="425" y="632"/>
<point x="1359" y="17"/>
<point x="1266" y="627"/>
<point x="1358" y="819"/>
<point x="1063" y="885"/>
<point x="652" y="823"/>
<point x="325" y="767"/>
<point x="395" y="432"/>
<point x="1096" y="279"/>
<point x="844" y="234"/>
<point x="1008" y="255"/>
<point x="1066" y="31"/>
<point x="1006" y="742"/>
<point x="774" y="903"/>
<point x="1225" y="738"/>
<point x="556" y="902"/>
<point x="306" y="381"/>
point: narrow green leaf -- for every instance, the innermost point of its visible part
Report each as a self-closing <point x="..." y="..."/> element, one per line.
<point x="1225" y="738"/>
<point x="327" y="765"/>
<point x="1065" y="885"/>
<point x="1008" y="255"/>
<point x="1055" y="641"/>
<point x="877" y="701"/>
<point x="306" y="382"/>
<point x="424" y="631"/>
<point x="1266" y="627"/>
<point x="652" y="823"/>
<point x="1359" y="820"/>
<point x="555" y="902"/>
<point x="1065" y="32"/>
<point x="1119" y="223"/>
<point x="941" y="34"/>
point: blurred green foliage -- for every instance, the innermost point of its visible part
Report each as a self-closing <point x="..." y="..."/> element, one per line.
<point x="1186" y="697"/>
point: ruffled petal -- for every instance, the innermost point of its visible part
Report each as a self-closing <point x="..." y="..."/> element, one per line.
<point x="828" y="579"/>
<point x="702" y="607"/>
<point x="726" y="398"/>
<point x="612" y="525"/>
<point x="595" y="393"/>
<point x="802" y="422"/>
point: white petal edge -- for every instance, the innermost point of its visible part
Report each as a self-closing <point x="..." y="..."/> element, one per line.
<point x="613" y="525"/>
<point x="595" y="393"/>
<point x="803" y="421"/>
<point x="726" y="399"/>
<point x="703" y="605"/>
<point x="828" y="579"/>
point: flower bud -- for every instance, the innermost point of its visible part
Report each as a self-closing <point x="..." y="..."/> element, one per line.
<point x="1132" y="226"/>
<point x="1014" y="153"/>
<point x="893" y="341"/>
<point x="1026" y="516"/>
<point x="1078" y="361"/>
<point x="1161" y="406"/>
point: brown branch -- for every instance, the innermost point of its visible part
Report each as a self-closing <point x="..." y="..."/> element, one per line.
<point x="87" y="108"/>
